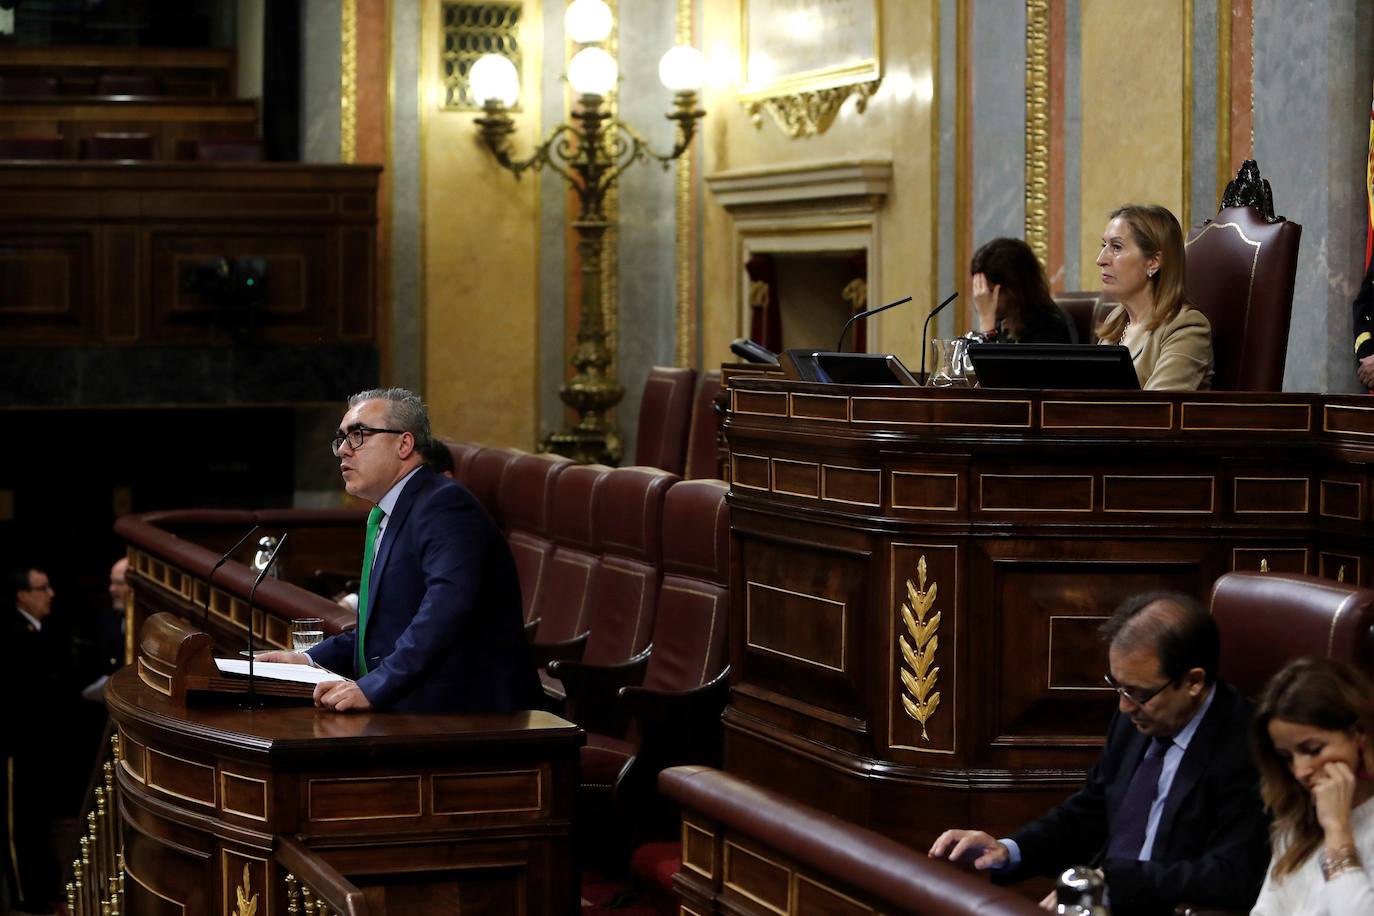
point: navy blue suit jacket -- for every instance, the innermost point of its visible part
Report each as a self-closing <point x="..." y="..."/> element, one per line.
<point x="445" y="631"/>
<point x="1212" y="845"/>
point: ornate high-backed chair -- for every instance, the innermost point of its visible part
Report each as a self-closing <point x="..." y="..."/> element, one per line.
<point x="1241" y="271"/>
<point x="1268" y="619"/>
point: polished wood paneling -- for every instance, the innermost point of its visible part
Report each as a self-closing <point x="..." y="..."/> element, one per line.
<point x="95" y="253"/>
<point x="487" y="793"/>
<point x="363" y="799"/>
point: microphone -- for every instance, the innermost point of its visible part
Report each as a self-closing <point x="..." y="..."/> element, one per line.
<point x="205" y="615"/>
<point x="926" y="327"/>
<point x="252" y="692"/>
<point x="839" y="346"/>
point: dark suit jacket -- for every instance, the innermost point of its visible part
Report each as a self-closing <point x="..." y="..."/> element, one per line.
<point x="445" y="631"/>
<point x="1212" y="845"/>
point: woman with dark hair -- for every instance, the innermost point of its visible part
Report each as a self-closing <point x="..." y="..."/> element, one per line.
<point x="1012" y="297"/>
<point x="1312" y="744"/>
<point x="1143" y="273"/>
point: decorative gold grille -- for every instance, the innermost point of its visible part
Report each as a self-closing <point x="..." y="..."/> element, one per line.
<point x="471" y="30"/>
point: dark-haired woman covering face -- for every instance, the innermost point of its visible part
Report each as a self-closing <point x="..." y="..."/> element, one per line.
<point x="1012" y="297"/>
<point x="1312" y="744"/>
<point x="1143" y="266"/>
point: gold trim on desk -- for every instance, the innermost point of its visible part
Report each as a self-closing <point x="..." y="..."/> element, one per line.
<point x="538" y="791"/>
<point x="1211" y="493"/>
<point x="1306" y="495"/>
<point x="149" y="752"/>
<point x="749" y="625"/>
<point x="800" y="877"/>
<point x="984" y="507"/>
<point x="773" y="464"/>
<point x="795" y="414"/>
<point x="1049" y="652"/>
<point x="825" y="485"/>
<point x="728" y="883"/>
<point x="1328" y="409"/>
<point x="686" y="862"/>
<point x="224" y="795"/>
<point x="1241" y="405"/>
<point x="332" y="780"/>
<point x="1113" y="404"/>
<point x="897" y="505"/>
<point x="129" y="873"/>
<point x="951" y="650"/>
<point x="1359" y="498"/>
<point x="981" y="424"/>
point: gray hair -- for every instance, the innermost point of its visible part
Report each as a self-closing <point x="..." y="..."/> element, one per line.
<point x="405" y="411"/>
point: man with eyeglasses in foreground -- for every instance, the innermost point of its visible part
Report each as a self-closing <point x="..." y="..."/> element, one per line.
<point x="440" y="627"/>
<point x="1171" y="812"/>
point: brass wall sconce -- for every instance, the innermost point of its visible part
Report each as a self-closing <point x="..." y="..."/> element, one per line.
<point x="590" y="156"/>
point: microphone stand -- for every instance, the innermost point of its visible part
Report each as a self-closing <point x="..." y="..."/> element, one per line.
<point x="925" y="329"/>
<point x="839" y="346"/>
<point x="205" y="614"/>
<point x="252" y="687"/>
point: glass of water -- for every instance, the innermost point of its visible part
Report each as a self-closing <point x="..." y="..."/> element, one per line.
<point x="306" y="632"/>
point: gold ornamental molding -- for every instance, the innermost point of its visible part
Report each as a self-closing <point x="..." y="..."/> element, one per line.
<point x="684" y="305"/>
<point x="348" y="82"/>
<point x="802" y="59"/>
<point x="1037" y="128"/>
<point x="806" y="114"/>
<point x="919" y="644"/>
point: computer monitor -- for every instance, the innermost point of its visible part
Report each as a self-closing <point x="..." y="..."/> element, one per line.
<point x="846" y="368"/>
<point x="1081" y="366"/>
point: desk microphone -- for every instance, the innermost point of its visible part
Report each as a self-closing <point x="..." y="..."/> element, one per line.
<point x="252" y="691"/>
<point x="205" y="615"/>
<point x="925" y="328"/>
<point x="839" y="346"/>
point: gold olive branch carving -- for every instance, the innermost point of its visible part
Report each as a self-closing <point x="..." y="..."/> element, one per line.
<point x="919" y="644"/>
<point x="248" y="906"/>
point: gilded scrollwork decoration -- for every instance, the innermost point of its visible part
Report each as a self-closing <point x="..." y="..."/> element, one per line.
<point x="1037" y="127"/>
<point x="804" y="58"/>
<point x="919" y="644"/>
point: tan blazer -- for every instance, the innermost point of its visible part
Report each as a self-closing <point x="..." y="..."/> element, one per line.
<point x="1176" y="356"/>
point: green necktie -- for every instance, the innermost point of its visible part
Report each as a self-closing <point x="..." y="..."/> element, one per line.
<point x="374" y="520"/>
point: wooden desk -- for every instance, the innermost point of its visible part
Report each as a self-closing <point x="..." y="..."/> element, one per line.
<point x="993" y="531"/>
<point x="423" y="813"/>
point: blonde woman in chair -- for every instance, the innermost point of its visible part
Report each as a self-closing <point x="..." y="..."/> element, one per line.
<point x="1312" y="746"/>
<point x="1143" y="270"/>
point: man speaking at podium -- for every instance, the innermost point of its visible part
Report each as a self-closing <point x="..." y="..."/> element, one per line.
<point x="439" y="613"/>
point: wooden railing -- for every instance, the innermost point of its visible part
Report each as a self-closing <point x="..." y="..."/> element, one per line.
<point x="314" y="888"/>
<point x="97" y="885"/>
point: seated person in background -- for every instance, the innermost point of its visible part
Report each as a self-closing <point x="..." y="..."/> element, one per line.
<point x="1171" y="812"/>
<point x="1012" y="297"/>
<point x="1143" y="270"/>
<point x="1362" y="307"/>
<point x="1312" y="734"/>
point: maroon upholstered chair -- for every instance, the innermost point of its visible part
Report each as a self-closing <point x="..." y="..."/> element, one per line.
<point x="703" y="450"/>
<point x="1241" y="271"/>
<point x="30" y="147"/>
<point x="485" y="471"/>
<point x="559" y="613"/>
<point x="125" y="147"/>
<point x="664" y="414"/>
<point x="1079" y="305"/>
<point x="526" y="503"/>
<point x="673" y="694"/>
<point x="624" y="590"/>
<point x="462" y="454"/>
<point x="1268" y="619"/>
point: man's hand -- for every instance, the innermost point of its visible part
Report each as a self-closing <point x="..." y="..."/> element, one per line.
<point x="284" y="656"/>
<point x="970" y="845"/>
<point x="1366" y="371"/>
<point x="341" y="696"/>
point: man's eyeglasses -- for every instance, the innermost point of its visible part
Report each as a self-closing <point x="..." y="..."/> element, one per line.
<point x="357" y="435"/>
<point x="1137" y="695"/>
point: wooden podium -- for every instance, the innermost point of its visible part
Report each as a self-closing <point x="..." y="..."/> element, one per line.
<point x="918" y="575"/>
<point x="396" y="813"/>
